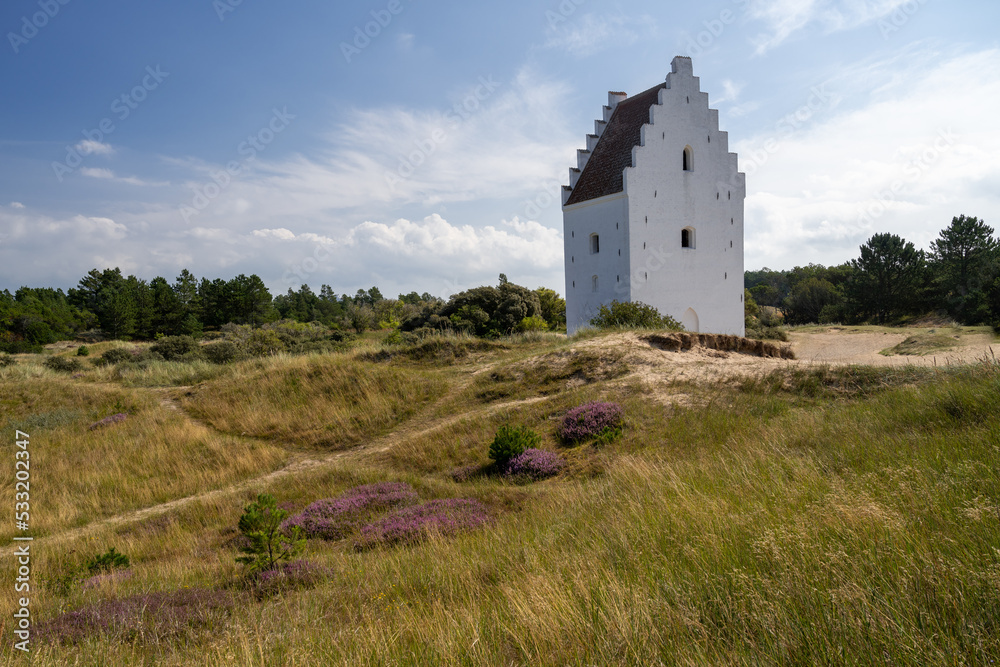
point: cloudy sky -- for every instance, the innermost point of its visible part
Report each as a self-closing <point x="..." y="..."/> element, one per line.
<point x="421" y="145"/>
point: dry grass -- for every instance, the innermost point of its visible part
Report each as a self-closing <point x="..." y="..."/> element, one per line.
<point x="156" y="455"/>
<point x="810" y="517"/>
<point x="328" y="401"/>
<point x="922" y="344"/>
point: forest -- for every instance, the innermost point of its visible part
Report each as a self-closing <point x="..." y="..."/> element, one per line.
<point x="890" y="282"/>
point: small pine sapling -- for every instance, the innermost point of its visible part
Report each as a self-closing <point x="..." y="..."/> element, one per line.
<point x="267" y="544"/>
<point x="510" y="441"/>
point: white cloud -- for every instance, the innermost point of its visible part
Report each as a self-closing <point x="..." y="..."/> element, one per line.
<point x="784" y="18"/>
<point x="492" y="139"/>
<point x="94" y="172"/>
<point x="16" y="204"/>
<point x="405" y="41"/>
<point x="107" y="174"/>
<point x="905" y="162"/>
<point x="283" y="234"/>
<point x="90" y="147"/>
<point x="476" y="247"/>
<point x="592" y="33"/>
<point x="730" y="92"/>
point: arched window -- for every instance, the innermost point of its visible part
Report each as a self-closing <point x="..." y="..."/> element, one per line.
<point x="688" y="159"/>
<point x="594" y="281"/>
<point x="687" y="238"/>
<point x="595" y="244"/>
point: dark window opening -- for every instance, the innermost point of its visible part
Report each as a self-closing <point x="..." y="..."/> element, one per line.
<point x="687" y="238"/>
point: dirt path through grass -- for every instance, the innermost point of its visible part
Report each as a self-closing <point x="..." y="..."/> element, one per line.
<point x="413" y="428"/>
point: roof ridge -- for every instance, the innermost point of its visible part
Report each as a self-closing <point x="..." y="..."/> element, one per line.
<point x="604" y="172"/>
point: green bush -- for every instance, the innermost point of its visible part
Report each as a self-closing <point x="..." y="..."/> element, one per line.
<point x="533" y="323"/>
<point x="262" y="343"/>
<point x="82" y="351"/>
<point x="106" y="562"/>
<point x="63" y="364"/>
<point x="117" y="355"/>
<point x="510" y="441"/>
<point x="174" y="348"/>
<point x="7" y="360"/>
<point x="221" y="352"/>
<point x="633" y="315"/>
<point x="266" y="543"/>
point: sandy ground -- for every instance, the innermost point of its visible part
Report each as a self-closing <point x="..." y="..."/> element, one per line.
<point x="837" y="346"/>
<point x="659" y="371"/>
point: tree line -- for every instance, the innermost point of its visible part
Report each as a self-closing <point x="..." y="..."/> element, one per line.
<point x="112" y="305"/>
<point x="891" y="281"/>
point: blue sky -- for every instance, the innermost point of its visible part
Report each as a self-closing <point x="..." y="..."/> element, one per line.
<point x="420" y="145"/>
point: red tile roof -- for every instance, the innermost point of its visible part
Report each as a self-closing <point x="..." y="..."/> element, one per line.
<point x="603" y="174"/>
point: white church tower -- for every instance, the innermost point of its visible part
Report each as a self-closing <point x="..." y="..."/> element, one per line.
<point x="654" y="211"/>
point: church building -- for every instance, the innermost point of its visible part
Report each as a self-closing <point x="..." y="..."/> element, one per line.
<point x="657" y="219"/>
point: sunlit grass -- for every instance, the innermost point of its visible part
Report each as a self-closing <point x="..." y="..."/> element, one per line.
<point x="807" y="516"/>
<point x="321" y="400"/>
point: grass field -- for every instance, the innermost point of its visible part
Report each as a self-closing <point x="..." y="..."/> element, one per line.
<point x="802" y="515"/>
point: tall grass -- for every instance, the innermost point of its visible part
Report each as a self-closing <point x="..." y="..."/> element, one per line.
<point x="820" y="518"/>
<point x="326" y="401"/>
<point x="79" y="475"/>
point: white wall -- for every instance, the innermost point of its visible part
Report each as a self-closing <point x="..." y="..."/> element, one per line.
<point x="709" y="199"/>
<point x="606" y="217"/>
<point x="661" y="199"/>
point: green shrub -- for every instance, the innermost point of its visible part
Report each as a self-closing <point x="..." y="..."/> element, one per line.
<point x="262" y="343"/>
<point x="63" y="364"/>
<point x="107" y="561"/>
<point x="266" y="543"/>
<point x="533" y="323"/>
<point x="510" y="441"/>
<point x="174" y="348"/>
<point x="117" y="355"/>
<point x="7" y="360"/>
<point x="82" y="351"/>
<point x="221" y="352"/>
<point x="633" y="315"/>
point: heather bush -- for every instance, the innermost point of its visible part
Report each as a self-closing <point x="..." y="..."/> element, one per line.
<point x="266" y="543"/>
<point x="109" y="421"/>
<point x="63" y="364"/>
<point x="98" y="580"/>
<point x="175" y="348"/>
<point x="150" y="618"/>
<point x="336" y="518"/>
<point x="412" y="524"/>
<point x="511" y="441"/>
<point x="294" y="575"/>
<point x="110" y="560"/>
<point x="592" y="420"/>
<point x="534" y="464"/>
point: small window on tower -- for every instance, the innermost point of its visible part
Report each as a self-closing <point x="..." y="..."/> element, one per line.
<point x="687" y="238"/>
<point x="595" y="244"/>
<point x="594" y="281"/>
<point x="688" y="159"/>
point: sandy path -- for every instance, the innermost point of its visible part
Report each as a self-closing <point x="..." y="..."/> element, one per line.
<point x="837" y="347"/>
<point x="408" y="430"/>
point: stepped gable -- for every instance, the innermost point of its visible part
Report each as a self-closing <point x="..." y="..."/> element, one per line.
<point x="604" y="172"/>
